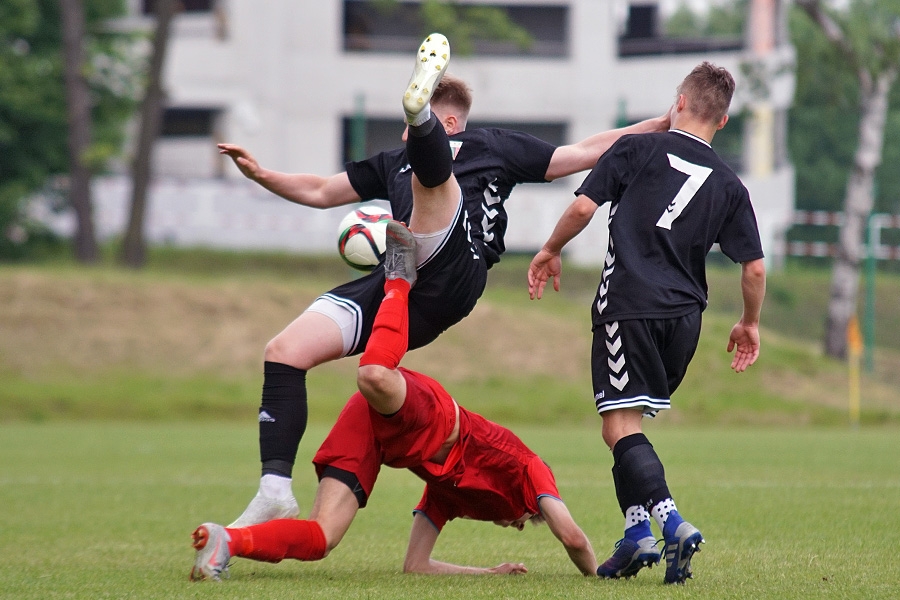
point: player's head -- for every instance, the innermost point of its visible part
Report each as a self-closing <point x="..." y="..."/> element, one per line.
<point x="707" y="90"/>
<point x="452" y="97"/>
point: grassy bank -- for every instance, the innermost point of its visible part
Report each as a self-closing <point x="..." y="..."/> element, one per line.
<point x="184" y="339"/>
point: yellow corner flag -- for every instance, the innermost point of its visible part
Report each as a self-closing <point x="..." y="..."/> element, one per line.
<point x="855" y="348"/>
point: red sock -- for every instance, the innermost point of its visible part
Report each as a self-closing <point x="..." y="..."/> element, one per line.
<point x="279" y="539"/>
<point x="390" y="332"/>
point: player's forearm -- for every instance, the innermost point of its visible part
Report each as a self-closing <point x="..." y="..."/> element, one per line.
<point x="583" y="557"/>
<point x="656" y="124"/>
<point x="583" y="155"/>
<point x="300" y="188"/>
<point x="753" y="290"/>
<point x="571" y="223"/>
<point x="435" y="567"/>
<point x="307" y="189"/>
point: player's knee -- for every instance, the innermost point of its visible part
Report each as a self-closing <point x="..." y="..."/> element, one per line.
<point x="285" y="350"/>
<point x="276" y="350"/>
<point x="372" y="380"/>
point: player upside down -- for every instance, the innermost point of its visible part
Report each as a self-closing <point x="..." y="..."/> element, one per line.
<point x="472" y="467"/>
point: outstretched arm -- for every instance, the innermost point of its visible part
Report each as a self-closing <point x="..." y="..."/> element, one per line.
<point x="547" y="263"/>
<point x="418" y="555"/>
<point x="303" y="188"/>
<point x="563" y="526"/>
<point x="745" y="334"/>
<point x="582" y="155"/>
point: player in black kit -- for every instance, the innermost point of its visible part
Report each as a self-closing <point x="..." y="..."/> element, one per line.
<point x="449" y="185"/>
<point x="671" y="198"/>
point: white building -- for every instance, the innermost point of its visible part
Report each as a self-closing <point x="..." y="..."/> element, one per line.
<point x="291" y="81"/>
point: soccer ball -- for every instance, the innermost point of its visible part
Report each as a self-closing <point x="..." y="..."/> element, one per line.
<point x="361" y="237"/>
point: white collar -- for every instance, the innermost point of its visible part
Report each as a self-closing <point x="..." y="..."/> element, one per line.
<point x="691" y="135"/>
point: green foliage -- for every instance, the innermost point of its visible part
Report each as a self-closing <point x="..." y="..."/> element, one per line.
<point x="33" y="127"/>
<point x="467" y="24"/>
<point x="725" y="19"/>
<point x="871" y="28"/>
<point x="823" y="122"/>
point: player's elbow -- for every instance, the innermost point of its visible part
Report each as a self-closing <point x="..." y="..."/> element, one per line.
<point x="575" y="542"/>
<point x="581" y="211"/>
<point x="573" y="539"/>
<point x="754" y="270"/>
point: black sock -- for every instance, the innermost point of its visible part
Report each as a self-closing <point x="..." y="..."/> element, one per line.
<point x="428" y="152"/>
<point x="282" y="417"/>
<point x="638" y="474"/>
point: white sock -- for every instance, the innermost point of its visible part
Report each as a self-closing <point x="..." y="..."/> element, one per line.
<point x="635" y="515"/>
<point x="275" y="486"/>
<point x="661" y="511"/>
<point x="422" y="117"/>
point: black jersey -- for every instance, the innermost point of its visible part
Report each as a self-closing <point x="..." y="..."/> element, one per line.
<point x="671" y="198"/>
<point x="488" y="163"/>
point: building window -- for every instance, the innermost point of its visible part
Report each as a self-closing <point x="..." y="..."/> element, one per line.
<point x="188" y="122"/>
<point x="397" y="27"/>
<point x="644" y="35"/>
<point x="187" y="143"/>
<point x="188" y="6"/>
<point x="374" y="135"/>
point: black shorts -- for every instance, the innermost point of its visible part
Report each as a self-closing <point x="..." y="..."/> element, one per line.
<point x="638" y="363"/>
<point x="448" y="286"/>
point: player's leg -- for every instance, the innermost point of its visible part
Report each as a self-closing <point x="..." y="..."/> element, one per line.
<point x="436" y="193"/>
<point x="618" y="371"/>
<point x="637" y="548"/>
<point x="681" y="538"/>
<point x="310" y="340"/>
<point x="307" y="540"/>
<point x="639" y="379"/>
<point x="378" y="379"/>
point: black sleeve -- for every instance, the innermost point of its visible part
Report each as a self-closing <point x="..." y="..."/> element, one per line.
<point x="608" y="178"/>
<point x="739" y="236"/>
<point x="369" y="177"/>
<point x="526" y="157"/>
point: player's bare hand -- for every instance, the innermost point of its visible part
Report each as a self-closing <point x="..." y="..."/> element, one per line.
<point x="543" y="266"/>
<point x="242" y="159"/>
<point x="509" y="569"/>
<point x="744" y="340"/>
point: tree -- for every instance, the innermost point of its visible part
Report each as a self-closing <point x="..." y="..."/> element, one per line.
<point x="78" y="112"/>
<point x="866" y="34"/>
<point x="33" y="109"/>
<point x="134" y="249"/>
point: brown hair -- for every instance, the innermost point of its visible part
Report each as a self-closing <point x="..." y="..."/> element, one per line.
<point x="453" y="92"/>
<point x="708" y="89"/>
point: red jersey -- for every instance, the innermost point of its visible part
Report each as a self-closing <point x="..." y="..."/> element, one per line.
<point x="489" y="474"/>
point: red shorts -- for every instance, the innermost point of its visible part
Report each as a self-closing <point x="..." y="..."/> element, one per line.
<point x="362" y="440"/>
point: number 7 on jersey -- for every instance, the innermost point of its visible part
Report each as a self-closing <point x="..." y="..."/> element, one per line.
<point x="696" y="176"/>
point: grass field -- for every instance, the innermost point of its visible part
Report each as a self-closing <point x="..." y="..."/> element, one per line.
<point x="127" y="417"/>
<point x="105" y="510"/>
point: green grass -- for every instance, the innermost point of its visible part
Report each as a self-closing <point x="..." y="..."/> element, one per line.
<point x="105" y="509"/>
